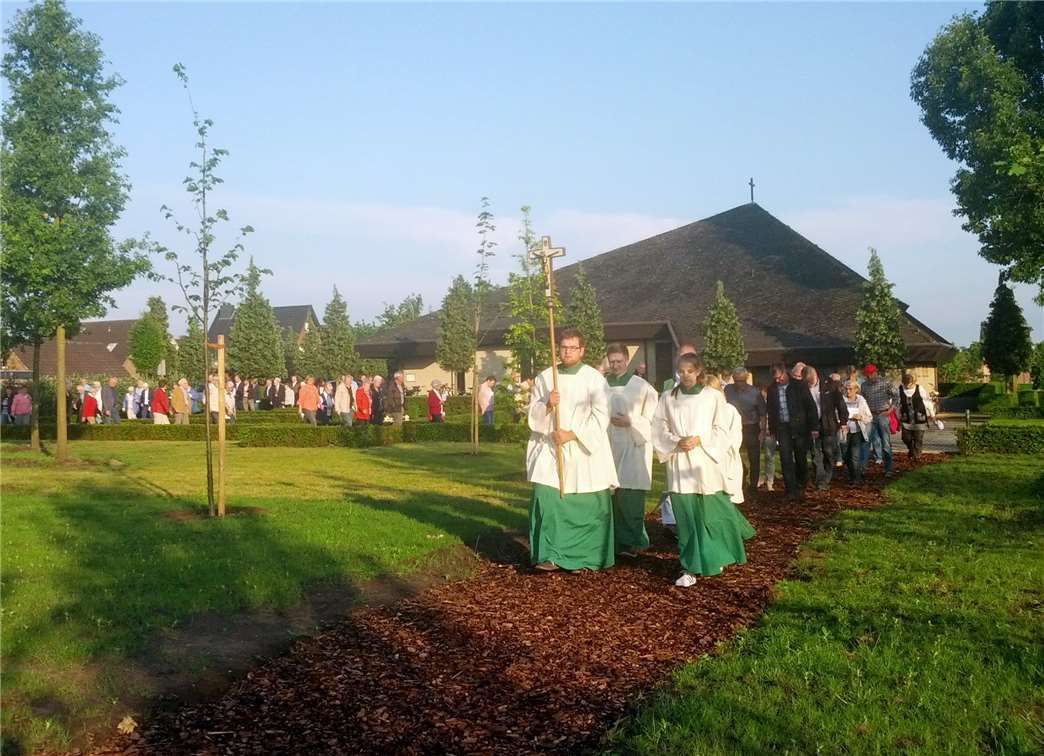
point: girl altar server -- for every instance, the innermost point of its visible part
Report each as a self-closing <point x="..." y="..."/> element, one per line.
<point x="691" y="436"/>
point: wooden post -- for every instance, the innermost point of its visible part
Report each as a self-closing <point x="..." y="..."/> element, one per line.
<point x="221" y="424"/>
<point x="62" y="439"/>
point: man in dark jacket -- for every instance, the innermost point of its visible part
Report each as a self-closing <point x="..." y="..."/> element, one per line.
<point x="833" y="413"/>
<point x="110" y="404"/>
<point x="793" y="420"/>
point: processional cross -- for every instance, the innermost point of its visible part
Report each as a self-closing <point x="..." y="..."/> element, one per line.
<point x="752" y="189"/>
<point x="546" y="253"/>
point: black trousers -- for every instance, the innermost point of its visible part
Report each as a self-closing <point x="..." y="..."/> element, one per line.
<point x="793" y="453"/>
<point x="753" y="445"/>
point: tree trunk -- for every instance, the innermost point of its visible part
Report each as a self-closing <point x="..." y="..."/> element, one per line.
<point x="34" y="432"/>
<point x="62" y="430"/>
<point x="474" y="409"/>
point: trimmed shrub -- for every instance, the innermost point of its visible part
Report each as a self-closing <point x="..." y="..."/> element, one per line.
<point x="1029" y="398"/>
<point x="1001" y="439"/>
<point x="1018" y="413"/>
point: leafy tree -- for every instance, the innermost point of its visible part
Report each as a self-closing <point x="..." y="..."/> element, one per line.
<point x="487" y="246"/>
<point x="191" y="356"/>
<point x="1037" y="365"/>
<point x="455" y="349"/>
<point x="878" y="333"/>
<point x="157" y="308"/>
<point x="310" y="358"/>
<point x="1006" y="344"/>
<point x="393" y="316"/>
<point x="255" y="342"/>
<point x="527" y="336"/>
<point x="61" y="189"/>
<point x="723" y="348"/>
<point x="980" y="87"/>
<point x="584" y="314"/>
<point x="965" y="366"/>
<point x="204" y="277"/>
<point x="148" y="344"/>
<point x="338" y="341"/>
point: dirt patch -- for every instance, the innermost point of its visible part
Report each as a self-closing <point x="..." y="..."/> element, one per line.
<point x="505" y="661"/>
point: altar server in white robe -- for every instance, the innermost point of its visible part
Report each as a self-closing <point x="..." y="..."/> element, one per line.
<point x="632" y="404"/>
<point x="689" y="439"/>
<point x="575" y="531"/>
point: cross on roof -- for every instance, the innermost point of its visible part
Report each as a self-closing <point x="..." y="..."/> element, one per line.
<point x="545" y="251"/>
<point x="751" y="183"/>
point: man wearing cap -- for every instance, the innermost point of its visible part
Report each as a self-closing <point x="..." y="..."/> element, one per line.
<point x="881" y="396"/>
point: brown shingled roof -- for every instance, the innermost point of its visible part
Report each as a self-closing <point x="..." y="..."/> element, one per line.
<point x="792" y="297"/>
<point x="101" y="347"/>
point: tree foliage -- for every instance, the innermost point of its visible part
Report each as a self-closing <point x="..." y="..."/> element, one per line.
<point x="1006" y="344"/>
<point x="527" y="336"/>
<point x="1037" y="365"/>
<point x="255" y="341"/>
<point x="584" y="313"/>
<point x="965" y="366"/>
<point x="338" y="341"/>
<point x="61" y="189"/>
<point x="455" y="349"/>
<point x="723" y="348"/>
<point x="310" y="357"/>
<point x="148" y="344"/>
<point x="980" y="87"/>
<point x="191" y="359"/>
<point x="879" y="321"/>
<point x="291" y="352"/>
<point x="157" y="308"/>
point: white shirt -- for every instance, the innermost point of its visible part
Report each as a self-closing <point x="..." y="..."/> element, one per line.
<point x="632" y="446"/>
<point x="584" y="410"/>
<point x="705" y="469"/>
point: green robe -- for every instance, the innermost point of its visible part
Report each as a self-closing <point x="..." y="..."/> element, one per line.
<point x="629" y="519"/>
<point x="711" y="532"/>
<point x="575" y="532"/>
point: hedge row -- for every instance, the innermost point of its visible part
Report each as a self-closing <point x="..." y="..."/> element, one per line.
<point x="286" y="435"/>
<point x="1022" y="412"/>
<point x="1001" y="439"/>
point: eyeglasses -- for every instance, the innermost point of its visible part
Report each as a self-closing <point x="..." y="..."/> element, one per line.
<point x="562" y="348"/>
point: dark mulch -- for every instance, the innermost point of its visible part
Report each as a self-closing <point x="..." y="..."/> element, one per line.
<point x="503" y="662"/>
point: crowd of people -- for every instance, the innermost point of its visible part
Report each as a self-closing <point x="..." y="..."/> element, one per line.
<point x="593" y="441"/>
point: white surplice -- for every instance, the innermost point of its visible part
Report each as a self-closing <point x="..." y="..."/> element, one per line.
<point x="703" y="470"/>
<point x="632" y="446"/>
<point x="584" y="410"/>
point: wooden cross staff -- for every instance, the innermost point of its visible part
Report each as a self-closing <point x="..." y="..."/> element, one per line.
<point x="546" y="253"/>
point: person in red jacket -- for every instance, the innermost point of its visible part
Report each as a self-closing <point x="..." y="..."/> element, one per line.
<point x="89" y="411"/>
<point x="436" y="412"/>
<point x="363" y="401"/>
<point x="161" y="405"/>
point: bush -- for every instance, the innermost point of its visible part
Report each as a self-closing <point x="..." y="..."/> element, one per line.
<point x="128" y="430"/>
<point x="1018" y="413"/>
<point x="1001" y="439"/>
<point x="1029" y="398"/>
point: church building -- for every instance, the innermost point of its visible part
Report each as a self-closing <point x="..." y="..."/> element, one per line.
<point x="795" y="302"/>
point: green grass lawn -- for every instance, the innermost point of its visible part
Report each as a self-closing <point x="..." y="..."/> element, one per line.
<point x="94" y="563"/>
<point x="918" y="627"/>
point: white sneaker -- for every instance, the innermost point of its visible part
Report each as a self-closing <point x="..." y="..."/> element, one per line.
<point x="686" y="580"/>
<point x="768" y="487"/>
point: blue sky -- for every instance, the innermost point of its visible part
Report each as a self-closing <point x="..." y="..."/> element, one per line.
<point x="363" y="136"/>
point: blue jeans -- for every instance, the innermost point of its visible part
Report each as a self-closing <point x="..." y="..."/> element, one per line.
<point x="487" y="416"/>
<point x="855" y="456"/>
<point x="881" y="440"/>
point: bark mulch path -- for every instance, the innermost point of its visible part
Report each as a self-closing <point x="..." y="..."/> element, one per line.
<point x="506" y="661"/>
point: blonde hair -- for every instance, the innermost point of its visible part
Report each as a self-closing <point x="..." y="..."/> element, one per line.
<point x="712" y="381"/>
<point x="851" y="383"/>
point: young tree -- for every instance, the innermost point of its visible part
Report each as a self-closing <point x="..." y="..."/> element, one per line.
<point x="980" y="87"/>
<point x="191" y="356"/>
<point x="338" y="342"/>
<point x="584" y="313"/>
<point x="1006" y="344"/>
<point x="527" y="336"/>
<point x="878" y="336"/>
<point x="485" y="226"/>
<point x="148" y="345"/>
<point x="204" y="276"/>
<point x="255" y="342"/>
<point x="966" y="365"/>
<point x="61" y="189"/>
<point x="723" y="348"/>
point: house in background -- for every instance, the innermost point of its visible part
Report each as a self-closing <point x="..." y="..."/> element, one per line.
<point x="794" y="300"/>
<point x="298" y="319"/>
<point x="102" y="347"/>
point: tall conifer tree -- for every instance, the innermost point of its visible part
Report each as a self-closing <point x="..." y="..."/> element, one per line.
<point x="255" y="343"/>
<point x="1006" y="344"/>
<point x="723" y="348"/>
<point x="879" y="321"/>
<point x="527" y="335"/>
<point x="338" y="341"/>
<point x="584" y="314"/>
<point x="190" y="354"/>
<point x="310" y="360"/>
<point x="455" y="349"/>
<point x="148" y="344"/>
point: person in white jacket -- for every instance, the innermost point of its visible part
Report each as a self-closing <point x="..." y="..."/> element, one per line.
<point x="690" y="435"/>
<point x="632" y="404"/>
<point x="728" y="429"/>
<point x="574" y="531"/>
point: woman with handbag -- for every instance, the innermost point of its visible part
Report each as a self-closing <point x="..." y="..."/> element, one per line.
<point x="915" y="412"/>
<point x="857" y="432"/>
